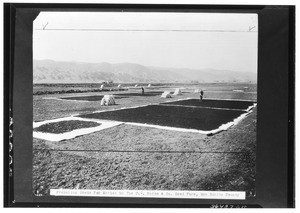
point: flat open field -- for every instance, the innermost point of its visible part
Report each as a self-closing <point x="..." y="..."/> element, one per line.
<point x="136" y="157"/>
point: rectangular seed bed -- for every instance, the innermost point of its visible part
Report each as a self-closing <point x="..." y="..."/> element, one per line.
<point x="228" y="104"/>
<point x="65" y="126"/>
<point x="88" y="98"/>
<point x="204" y="119"/>
<point x="152" y="93"/>
<point x="69" y="127"/>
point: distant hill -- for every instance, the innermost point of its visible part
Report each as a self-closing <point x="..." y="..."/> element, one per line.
<point x="49" y="71"/>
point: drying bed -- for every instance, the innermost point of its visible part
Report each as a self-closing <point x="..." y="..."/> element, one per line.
<point x="213" y="103"/>
<point x="204" y="119"/>
<point x="152" y="93"/>
<point x="116" y="96"/>
<point x="69" y="127"/>
<point x="65" y="126"/>
<point x="88" y="98"/>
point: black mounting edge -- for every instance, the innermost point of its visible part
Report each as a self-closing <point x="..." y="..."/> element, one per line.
<point x="9" y="14"/>
<point x="9" y="34"/>
<point x="291" y="111"/>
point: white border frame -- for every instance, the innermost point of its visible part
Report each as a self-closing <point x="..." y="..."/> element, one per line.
<point x="74" y="133"/>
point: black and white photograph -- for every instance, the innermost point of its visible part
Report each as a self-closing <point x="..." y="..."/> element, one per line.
<point x="137" y="104"/>
<point x="149" y="105"/>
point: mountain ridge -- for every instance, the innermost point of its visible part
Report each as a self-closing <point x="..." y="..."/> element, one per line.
<point x="50" y="71"/>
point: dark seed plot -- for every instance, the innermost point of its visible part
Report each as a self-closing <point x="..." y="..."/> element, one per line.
<point x="173" y="116"/>
<point x="65" y="126"/>
<point x="152" y="93"/>
<point x="88" y="98"/>
<point x="242" y="105"/>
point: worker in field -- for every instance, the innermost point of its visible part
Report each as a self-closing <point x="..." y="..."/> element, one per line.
<point x="201" y="95"/>
<point x="143" y="91"/>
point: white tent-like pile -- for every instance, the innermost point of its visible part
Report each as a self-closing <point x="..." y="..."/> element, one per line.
<point x="197" y="91"/>
<point x="166" y="94"/>
<point x="108" y="100"/>
<point x="102" y="86"/>
<point x="177" y="92"/>
<point x="136" y="85"/>
<point x="149" y="85"/>
<point x="119" y="86"/>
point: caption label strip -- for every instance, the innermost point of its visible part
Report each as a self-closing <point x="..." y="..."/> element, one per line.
<point x="229" y="195"/>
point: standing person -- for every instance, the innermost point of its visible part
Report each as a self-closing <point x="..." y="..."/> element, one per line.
<point x="201" y="95"/>
<point x="142" y="90"/>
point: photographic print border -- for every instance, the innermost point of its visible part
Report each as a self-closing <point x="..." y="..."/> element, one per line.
<point x="275" y="119"/>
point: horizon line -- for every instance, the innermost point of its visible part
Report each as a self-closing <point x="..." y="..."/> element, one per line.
<point x="166" y="67"/>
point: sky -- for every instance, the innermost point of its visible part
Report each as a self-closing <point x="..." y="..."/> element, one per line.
<point x="178" y="40"/>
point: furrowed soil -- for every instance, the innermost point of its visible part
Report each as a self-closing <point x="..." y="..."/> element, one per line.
<point x="134" y="157"/>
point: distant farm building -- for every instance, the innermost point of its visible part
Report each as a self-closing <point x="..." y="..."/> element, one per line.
<point x="108" y="83"/>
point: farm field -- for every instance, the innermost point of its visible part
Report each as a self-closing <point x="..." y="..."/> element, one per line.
<point x="139" y="157"/>
<point x="212" y="103"/>
<point x="168" y="115"/>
